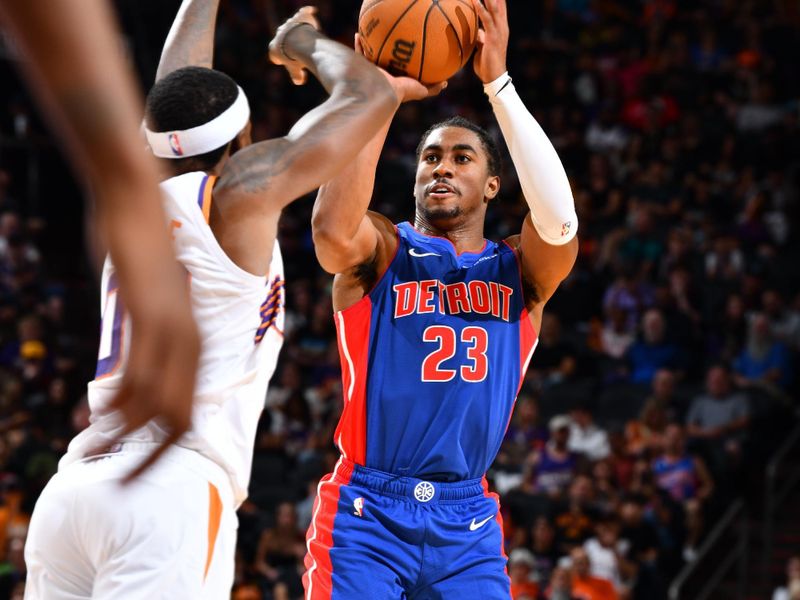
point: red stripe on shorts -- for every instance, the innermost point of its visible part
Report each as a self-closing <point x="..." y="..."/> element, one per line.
<point x="317" y="580"/>
<point x="499" y="518"/>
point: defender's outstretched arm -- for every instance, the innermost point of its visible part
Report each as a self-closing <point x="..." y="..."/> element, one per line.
<point x="190" y="41"/>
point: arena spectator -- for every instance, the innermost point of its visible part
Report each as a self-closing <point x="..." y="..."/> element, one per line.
<point x="520" y="570"/>
<point x="763" y="361"/>
<point x="790" y="591"/>
<point x="554" y="465"/>
<point x="687" y="480"/>
<point x="576" y="517"/>
<point x="543" y="549"/>
<point x="561" y="586"/>
<point x="719" y="419"/>
<point x="654" y="351"/>
<point x="784" y="322"/>
<point x="645" y="435"/>
<point x="585" y="437"/>
<point x="279" y="550"/>
<point x="585" y="585"/>
<point x="641" y="547"/>
<point x="606" y="555"/>
<point x="556" y="360"/>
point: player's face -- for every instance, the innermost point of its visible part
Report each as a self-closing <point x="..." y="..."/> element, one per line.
<point x="453" y="178"/>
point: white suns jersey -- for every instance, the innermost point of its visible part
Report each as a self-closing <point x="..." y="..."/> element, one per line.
<point x="240" y="318"/>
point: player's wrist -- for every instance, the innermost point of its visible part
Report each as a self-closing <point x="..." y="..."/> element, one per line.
<point x="496" y="85"/>
<point x="297" y="43"/>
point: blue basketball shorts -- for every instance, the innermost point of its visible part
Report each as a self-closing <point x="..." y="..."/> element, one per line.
<point x="378" y="536"/>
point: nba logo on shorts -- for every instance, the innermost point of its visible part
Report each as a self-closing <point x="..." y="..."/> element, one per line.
<point x="358" y="504"/>
<point x="175" y="144"/>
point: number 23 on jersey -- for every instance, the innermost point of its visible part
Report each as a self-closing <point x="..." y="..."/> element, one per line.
<point x="475" y="364"/>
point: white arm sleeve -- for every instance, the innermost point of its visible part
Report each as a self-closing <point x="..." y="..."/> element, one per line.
<point x="541" y="175"/>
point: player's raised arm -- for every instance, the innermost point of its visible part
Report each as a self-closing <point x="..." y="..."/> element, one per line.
<point x="548" y="245"/>
<point x="89" y="93"/>
<point x="190" y="41"/>
<point x="268" y="175"/>
<point x="345" y="234"/>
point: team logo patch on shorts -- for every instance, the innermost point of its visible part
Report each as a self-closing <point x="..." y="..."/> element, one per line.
<point x="424" y="491"/>
<point x="358" y="505"/>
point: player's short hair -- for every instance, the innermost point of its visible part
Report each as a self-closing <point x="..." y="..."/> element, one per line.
<point x="187" y="98"/>
<point x="487" y="141"/>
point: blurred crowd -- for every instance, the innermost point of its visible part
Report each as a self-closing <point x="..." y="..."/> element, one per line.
<point x="662" y="359"/>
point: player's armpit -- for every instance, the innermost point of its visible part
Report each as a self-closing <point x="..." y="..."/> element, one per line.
<point x="361" y="265"/>
<point x="544" y="265"/>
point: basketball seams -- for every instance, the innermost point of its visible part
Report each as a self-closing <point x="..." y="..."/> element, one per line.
<point x="424" y="39"/>
<point x="474" y="13"/>
<point x="453" y="27"/>
<point x="391" y="30"/>
<point x="368" y="6"/>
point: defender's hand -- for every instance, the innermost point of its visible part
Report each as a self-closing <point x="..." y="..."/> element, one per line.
<point x="406" y="88"/>
<point x="489" y="61"/>
<point x="277" y="47"/>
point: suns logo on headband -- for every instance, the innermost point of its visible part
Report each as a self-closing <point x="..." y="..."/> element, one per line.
<point x="175" y="144"/>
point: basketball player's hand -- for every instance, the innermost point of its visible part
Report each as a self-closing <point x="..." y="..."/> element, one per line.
<point x="489" y="61"/>
<point x="160" y="374"/>
<point x="406" y="88"/>
<point x="277" y="47"/>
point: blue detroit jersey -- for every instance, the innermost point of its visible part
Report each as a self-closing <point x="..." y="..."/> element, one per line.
<point x="432" y="360"/>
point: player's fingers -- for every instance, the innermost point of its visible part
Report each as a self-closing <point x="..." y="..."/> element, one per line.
<point x="502" y="8"/>
<point x="481" y="37"/>
<point x="299" y="76"/>
<point x="435" y="90"/>
<point x="489" y="14"/>
<point x="359" y="48"/>
<point x="151" y="459"/>
<point x="483" y="14"/>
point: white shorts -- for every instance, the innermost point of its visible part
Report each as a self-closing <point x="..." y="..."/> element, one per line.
<point x="170" y="534"/>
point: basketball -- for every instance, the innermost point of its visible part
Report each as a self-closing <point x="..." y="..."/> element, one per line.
<point x="429" y="40"/>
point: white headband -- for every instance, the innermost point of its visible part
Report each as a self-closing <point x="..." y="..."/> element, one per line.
<point x="203" y="138"/>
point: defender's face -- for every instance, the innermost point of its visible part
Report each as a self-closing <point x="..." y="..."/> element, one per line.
<point x="452" y="175"/>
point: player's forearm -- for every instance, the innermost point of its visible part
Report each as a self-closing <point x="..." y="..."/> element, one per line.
<point x="343" y="201"/>
<point x="343" y="236"/>
<point x="190" y="41"/>
<point x="541" y="174"/>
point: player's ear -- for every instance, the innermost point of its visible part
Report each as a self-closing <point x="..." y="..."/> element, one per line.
<point x="244" y="138"/>
<point x="492" y="188"/>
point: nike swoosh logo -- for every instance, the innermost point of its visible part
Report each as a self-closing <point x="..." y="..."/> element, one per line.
<point x="413" y="252"/>
<point x="473" y="526"/>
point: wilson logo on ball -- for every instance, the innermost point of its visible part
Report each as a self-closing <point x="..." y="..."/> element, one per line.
<point x="402" y="53"/>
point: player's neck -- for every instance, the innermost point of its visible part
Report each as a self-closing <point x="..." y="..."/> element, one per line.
<point x="465" y="236"/>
